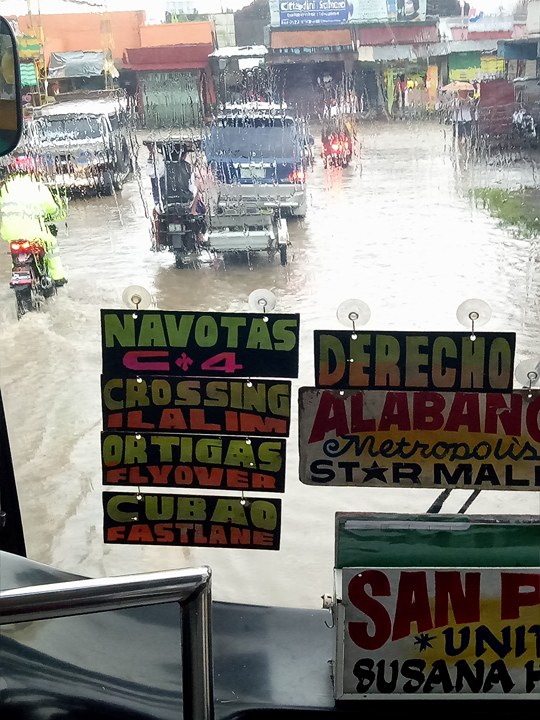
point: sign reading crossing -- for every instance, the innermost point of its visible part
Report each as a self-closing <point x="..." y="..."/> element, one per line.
<point x="196" y="405"/>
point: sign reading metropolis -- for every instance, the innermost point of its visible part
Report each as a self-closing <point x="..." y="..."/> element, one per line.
<point x="305" y="13"/>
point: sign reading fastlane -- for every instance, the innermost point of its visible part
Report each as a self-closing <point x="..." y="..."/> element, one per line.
<point x="200" y="344"/>
<point x="484" y="441"/>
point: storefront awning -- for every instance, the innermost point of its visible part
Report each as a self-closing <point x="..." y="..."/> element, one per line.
<point x="168" y="58"/>
<point x="310" y="39"/>
<point x="79" y="64"/>
<point x="518" y="49"/>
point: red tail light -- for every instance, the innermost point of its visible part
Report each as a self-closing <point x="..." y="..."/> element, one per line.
<point x="297" y="176"/>
<point x="335" y="147"/>
<point x="20" y="245"/>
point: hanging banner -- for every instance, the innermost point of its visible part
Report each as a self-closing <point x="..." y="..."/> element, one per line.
<point x="196" y="405"/>
<point x="199" y="344"/>
<point x="193" y="461"/>
<point x="428" y="632"/>
<point x="414" y="360"/>
<point x="191" y="520"/>
<point x="420" y="439"/>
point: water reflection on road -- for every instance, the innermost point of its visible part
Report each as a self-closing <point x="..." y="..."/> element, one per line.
<point x="397" y="229"/>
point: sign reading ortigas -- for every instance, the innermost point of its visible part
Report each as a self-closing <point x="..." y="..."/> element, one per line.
<point x="313" y="12"/>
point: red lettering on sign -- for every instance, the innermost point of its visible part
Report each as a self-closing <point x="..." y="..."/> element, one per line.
<point x="359" y="631"/>
<point x="143" y="360"/>
<point x="465" y="412"/>
<point x="395" y="412"/>
<point x="518" y="590"/>
<point x="331" y="415"/>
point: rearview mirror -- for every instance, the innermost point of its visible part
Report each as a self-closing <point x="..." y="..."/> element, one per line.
<point x="10" y="90"/>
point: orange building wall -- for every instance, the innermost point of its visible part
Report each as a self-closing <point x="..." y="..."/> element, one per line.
<point x="189" y="33"/>
<point x="88" y="31"/>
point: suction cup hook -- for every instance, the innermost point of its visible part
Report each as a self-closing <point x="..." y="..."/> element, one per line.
<point x="527" y="373"/>
<point x="353" y="312"/>
<point x="262" y="300"/>
<point x="136" y="297"/>
<point x="473" y="313"/>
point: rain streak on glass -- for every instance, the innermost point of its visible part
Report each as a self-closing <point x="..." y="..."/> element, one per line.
<point x="323" y="161"/>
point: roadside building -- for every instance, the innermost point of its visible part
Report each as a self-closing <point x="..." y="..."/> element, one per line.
<point x="241" y="74"/>
<point x="172" y="69"/>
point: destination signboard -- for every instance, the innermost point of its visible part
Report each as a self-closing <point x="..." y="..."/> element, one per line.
<point x="196" y="405"/>
<point x="191" y="520"/>
<point x="414" y="360"/>
<point x="438" y="632"/>
<point x="193" y="461"/>
<point x="427" y="439"/>
<point x="198" y="344"/>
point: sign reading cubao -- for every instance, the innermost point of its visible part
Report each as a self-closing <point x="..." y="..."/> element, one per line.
<point x="439" y="632"/>
<point x="209" y="521"/>
<point x="414" y="360"/>
<point x="484" y="441"/>
<point x="200" y="344"/>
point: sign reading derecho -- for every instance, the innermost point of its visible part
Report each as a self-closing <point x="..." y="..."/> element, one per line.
<point x="191" y="461"/>
<point x="433" y="632"/>
<point x="209" y="521"/>
<point x="200" y="344"/>
<point x="196" y="405"/>
<point x="414" y="360"/>
<point x="484" y="441"/>
<point x="174" y="373"/>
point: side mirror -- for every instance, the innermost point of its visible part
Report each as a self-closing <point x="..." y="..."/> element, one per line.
<point x="11" y="122"/>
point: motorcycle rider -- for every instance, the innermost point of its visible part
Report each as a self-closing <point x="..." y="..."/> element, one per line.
<point x="27" y="209"/>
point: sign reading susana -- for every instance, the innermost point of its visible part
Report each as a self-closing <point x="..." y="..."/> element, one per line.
<point x="191" y="520"/>
<point x="195" y="344"/>
<point x="414" y="360"/>
<point x="425" y="632"/>
<point x="191" y="461"/>
<point x="484" y="441"/>
<point x="196" y="405"/>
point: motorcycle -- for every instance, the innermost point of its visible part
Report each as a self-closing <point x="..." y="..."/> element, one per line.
<point x="181" y="232"/>
<point x="29" y="277"/>
<point x="336" y="150"/>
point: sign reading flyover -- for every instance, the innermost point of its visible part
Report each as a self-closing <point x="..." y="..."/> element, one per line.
<point x="414" y="360"/>
<point x="200" y="344"/>
<point x="426" y="439"/>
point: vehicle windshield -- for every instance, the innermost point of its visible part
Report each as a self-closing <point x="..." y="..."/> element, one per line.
<point x="54" y="129"/>
<point x="372" y="167"/>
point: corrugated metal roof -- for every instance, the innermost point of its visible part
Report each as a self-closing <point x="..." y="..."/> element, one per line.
<point x="310" y="38"/>
<point x="382" y="53"/>
<point x="168" y="57"/>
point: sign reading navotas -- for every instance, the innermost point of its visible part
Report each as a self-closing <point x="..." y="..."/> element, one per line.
<point x="308" y="13"/>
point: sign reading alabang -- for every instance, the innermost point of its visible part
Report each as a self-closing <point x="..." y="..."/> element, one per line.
<point x="306" y="13"/>
<point x="427" y="632"/>
<point x="426" y="439"/>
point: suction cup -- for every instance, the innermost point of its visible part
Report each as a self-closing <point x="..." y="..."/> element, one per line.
<point x="135" y="297"/>
<point x="262" y="300"/>
<point x="527" y="373"/>
<point x="473" y="312"/>
<point x="352" y="313"/>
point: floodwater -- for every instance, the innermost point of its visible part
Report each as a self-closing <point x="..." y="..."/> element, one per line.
<point x="397" y="229"/>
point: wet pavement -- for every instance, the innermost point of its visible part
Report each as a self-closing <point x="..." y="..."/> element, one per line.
<point x="396" y="229"/>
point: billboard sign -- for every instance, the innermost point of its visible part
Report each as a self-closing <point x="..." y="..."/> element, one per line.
<point x="465" y="632"/>
<point x="312" y="13"/>
<point x="374" y="438"/>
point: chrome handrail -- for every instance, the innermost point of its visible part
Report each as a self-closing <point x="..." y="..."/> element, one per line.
<point x="191" y="588"/>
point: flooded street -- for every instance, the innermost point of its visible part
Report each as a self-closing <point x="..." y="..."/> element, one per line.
<point x="397" y="229"/>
